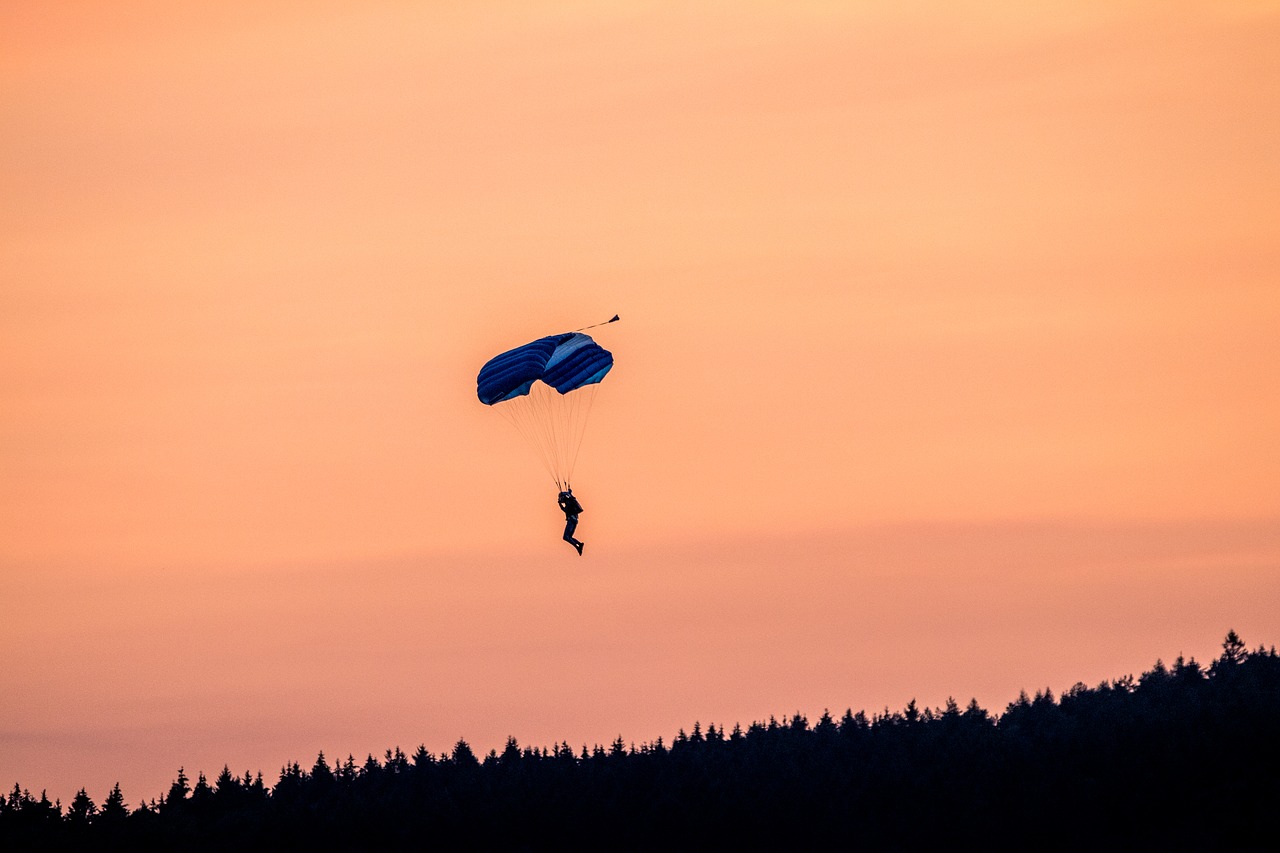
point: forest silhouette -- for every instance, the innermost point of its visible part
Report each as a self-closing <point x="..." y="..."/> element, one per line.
<point x="1184" y="755"/>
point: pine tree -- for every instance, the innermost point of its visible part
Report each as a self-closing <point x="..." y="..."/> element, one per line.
<point x="82" y="809"/>
<point x="226" y="787"/>
<point x="463" y="756"/>
<point x="178" y="791"/>
<point x="1233" y="650"/>
<point x="114" y="810"/>
<point x="320" y="772"/>
<point x="202" y="794"/>
<point x="17" y="798"/>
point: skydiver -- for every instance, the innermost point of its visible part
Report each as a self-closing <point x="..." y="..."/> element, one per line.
<point x="570" y="506"/>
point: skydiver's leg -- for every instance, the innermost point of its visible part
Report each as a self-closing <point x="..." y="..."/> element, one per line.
<point x="571" y="524"/>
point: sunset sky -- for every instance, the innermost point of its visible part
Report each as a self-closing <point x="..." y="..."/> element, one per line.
<point x="949" y="365"/>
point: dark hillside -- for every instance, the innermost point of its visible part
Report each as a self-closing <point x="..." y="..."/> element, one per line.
<point x="1183" y="755"/>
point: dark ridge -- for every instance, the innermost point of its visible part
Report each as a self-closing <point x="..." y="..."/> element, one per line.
<point x="1184" y="756"/>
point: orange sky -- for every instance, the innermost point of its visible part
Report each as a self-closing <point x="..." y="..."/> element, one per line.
<point x="949" y="365"/>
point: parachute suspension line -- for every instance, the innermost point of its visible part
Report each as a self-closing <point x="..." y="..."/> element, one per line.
<point x="541" y="406"/>
<point x="568" y="410"/>
<point x="521" y="415"/>
<point x="553" y="425"/>
<point x="530" y="414"/>
<point x="590" y="401"/>
<point x="574" y="428"/>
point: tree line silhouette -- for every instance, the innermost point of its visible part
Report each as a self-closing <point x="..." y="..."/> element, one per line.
<point x="1182" y="755"/>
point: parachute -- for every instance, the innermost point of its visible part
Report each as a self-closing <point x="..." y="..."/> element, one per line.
<point x="546" y="389"/>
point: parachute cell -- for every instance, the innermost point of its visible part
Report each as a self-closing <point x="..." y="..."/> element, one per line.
<point x="565" y="362"/>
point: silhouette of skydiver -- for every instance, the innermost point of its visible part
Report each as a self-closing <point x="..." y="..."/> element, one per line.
<point x="570" y="506"/>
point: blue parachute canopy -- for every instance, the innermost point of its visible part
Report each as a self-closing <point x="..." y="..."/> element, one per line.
<point x="565" y="362"/>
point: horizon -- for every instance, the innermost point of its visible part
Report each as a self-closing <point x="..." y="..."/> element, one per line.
<point x="723" y="729"/>
<point x="947" y="366"/>
<point x="311" y="691"/>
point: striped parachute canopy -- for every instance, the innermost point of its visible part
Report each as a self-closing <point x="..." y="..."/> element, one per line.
<point x="546" y="389"/>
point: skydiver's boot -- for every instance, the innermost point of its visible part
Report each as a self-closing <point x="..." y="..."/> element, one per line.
<point x="578" y="545"/>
